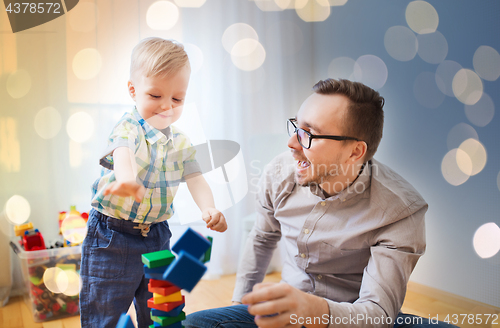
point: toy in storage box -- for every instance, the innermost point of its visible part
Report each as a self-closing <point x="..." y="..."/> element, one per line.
<point x="52" y="280"/>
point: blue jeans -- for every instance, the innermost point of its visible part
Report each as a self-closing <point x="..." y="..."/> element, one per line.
<point x="237" y="316"/>
<point x="112" y="270"/>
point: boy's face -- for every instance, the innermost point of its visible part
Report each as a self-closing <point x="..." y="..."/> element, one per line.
<point x="159" y="100"/>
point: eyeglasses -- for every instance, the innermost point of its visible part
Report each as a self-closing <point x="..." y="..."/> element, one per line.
<point x="304" y="137"/>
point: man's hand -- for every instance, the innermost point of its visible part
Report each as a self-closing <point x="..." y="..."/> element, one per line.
<point x="214" y="219"/>
<point x="273" y="304"/>
<point x="126" y="189"/>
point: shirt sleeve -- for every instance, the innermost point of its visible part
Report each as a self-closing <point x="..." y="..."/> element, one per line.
<point x="124" y="134"/>
<point x="190" y="163"/>
<point x="393" y="257"/>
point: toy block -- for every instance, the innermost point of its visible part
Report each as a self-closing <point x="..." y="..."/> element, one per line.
<point x="125" y="322"/>
<point x="155" y="270"/>
<point x="167" y="321"/>
<point x="153" y="275"/>
<point x="174" y="297"/>
<point x="175" y="325"/>
<point x="185" y="271"/>
<point x="20" y="229"/>
<point x="167" y="307"/>
<point x="206" y="257"/>
<point x="192" y="243"/>
<point x="163" y="290"/>
<point x="158" y="259"/>
<point x="159" y="283"/>
<point x="175" y="312"/>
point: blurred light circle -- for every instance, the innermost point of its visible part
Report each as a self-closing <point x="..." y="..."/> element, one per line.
<point x="401" y="43"/>
<point x="272" y="5"/>
<point x="487" y="240"/>
<point x="450" y="169"/>
<point x="190" y="3"/>
<point x="195" y="57"/>
<point x="84" y="17"/>
<point x="72" y="283"/>
<point x="422" y="17"/>
<point x="248" y="54"/>
<point x="486" y="62"/>
<point x="162" y="15"/>
<point x="467" y="86"/>
<point x="426" y="90"/>
<point x="74" y="229"/>
<point x="87" y="64"/>
<point x="482" y="112"/>
<point x="17" y="209"/>
<point x="80" y="127"/>
<point x="342" y="68"/>
<point x="459" y="133"/>
<point x="477" y="154"/>
<point x="314" y="11"/>
<point x="55" y="280"/>
<point x="299" y="4"/>
<point x="371" y="70"/>
<point x="464" y="162"/>
<point x="285" y="36"/>
<point x="237" y="32"/>
<point x="337" y="2"/>
<point x="445" y="73"/>
<point x="48" y="122"/>
<point x="18" y="84"/>
<point x="432" y="47"/>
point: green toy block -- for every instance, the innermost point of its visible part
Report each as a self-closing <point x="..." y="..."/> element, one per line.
<point x="167" y="321"/>
<point x="158" y="259"/>
<point x="206" y="257"/>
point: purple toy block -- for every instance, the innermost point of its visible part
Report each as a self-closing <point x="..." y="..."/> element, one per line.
<point x="192" y="243"/>
<point x="185" y="271"/>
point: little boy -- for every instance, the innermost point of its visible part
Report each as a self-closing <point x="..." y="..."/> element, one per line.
<point x="144" y="163"/>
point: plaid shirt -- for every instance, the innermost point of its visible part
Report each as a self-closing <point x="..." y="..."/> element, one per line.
<point x="163" y="158"/>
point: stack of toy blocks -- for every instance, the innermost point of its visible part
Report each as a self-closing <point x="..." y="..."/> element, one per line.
<point x="169" y="274"/>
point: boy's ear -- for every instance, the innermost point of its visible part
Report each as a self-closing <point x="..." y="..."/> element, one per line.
<point x="131" y="89"/>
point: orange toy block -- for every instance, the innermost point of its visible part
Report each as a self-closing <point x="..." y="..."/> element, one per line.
<point x="167" y="307"/>
<point x="174" y="297"/>
<point x="165" y="291"/>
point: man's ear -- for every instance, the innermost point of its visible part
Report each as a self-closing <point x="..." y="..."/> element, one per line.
<point x="131" y="89"/>
<point x="358" y="151"/>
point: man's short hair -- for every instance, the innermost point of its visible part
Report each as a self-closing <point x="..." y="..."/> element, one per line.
<point x="157" y="57"/>
<point x="365" y="117"/>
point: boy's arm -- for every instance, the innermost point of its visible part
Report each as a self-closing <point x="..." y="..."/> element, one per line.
<point x="126" y="175"/>
<point x="203" y="197"/>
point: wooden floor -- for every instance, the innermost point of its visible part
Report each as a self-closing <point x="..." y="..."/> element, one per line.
<point x="420" y="300"/>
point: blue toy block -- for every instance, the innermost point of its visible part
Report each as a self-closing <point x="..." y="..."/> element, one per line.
<point x="125" y="322"/>
<point x="174" y="325"/>
<point x="192" y="243"/>
<point x="185" y="271"/>
<point x="157" y="276"/>
<point x="175" y="312"/>
<point x="155" y="270"/>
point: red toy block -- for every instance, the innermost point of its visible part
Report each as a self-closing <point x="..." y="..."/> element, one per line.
<point x="165" y="291"/>
<point x="167" y="307"/>
<point x="160" y="283"/>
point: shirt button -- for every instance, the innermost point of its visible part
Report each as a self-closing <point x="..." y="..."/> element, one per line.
<point x="306" y="231"/>
<point x="320" y="277"/>
<point x="302" y="255"/>
<point x="323" y="203"/>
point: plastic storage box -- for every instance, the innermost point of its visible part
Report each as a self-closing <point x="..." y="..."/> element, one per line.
<point x="52" y="280"/>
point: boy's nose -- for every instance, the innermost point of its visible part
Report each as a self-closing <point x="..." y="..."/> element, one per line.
<point x="166" y="105"/>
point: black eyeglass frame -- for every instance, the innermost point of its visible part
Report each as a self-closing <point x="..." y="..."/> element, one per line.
<point x="312" y="136"/>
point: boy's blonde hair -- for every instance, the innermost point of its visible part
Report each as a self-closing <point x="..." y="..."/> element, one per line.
<point x="157" y="57"/>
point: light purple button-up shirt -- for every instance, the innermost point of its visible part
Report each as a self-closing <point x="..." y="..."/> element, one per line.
<point x="356" y="249"/>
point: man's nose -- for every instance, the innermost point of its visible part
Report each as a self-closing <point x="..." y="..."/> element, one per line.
<point x="294" y="143"/>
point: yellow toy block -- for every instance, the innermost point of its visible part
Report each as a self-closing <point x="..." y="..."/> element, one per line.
<point x="20" y="229"/>
<point x="160" y="299"/>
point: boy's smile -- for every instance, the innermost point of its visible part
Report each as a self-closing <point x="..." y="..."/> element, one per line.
<point x="159" y="100"/>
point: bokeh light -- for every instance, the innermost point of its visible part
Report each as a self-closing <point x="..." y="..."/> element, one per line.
<point x="450" y="169"/>
<point x="48" y="122"/>
<point x="337" y="2"/>
<point x="18" y="83"/>
<point x="445" y="73"/>
<point x="467" y="86"/>
<point x="87" y="64"/>
<point x="477" y="154"/>
<point x="314" y="10"/>
<point x="401" y="43"/>
<point x="55" y="280"/>
<point x="486" y="62"/>
<point x="237" y="32"/>
<point x="195" y="57"/>
<point x="432" y="47"/>
<point x="74" y="229"/>
<point x="482" y="112"/>
<point x="421" y="17"/>
<point x="17" y="209"/>
<point x="459" y="133"/>
<point x="248" y="54"/>
<point x="486" y="240"/>
<point x="73" y="283"/>
<point x="342" y="68"/>
<point x="162" y="15"/>
<point x="84" y="17"/>
<point x="426" y="90"/>
<point x="80" y="127"/>
<point x="371" y="70"/>
<point x="272" y="5"/>
<point x="190" y="3"/>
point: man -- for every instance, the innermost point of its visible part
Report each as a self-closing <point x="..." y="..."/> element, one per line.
<point x="353" y="229"/>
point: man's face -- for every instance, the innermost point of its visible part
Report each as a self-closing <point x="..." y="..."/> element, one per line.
<point x="326" y="159"/>
<point x="159" y="100"/>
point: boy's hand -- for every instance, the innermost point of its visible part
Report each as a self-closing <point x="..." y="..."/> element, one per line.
<point x="214" y="219"/>
<point x="126" y="189"/>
